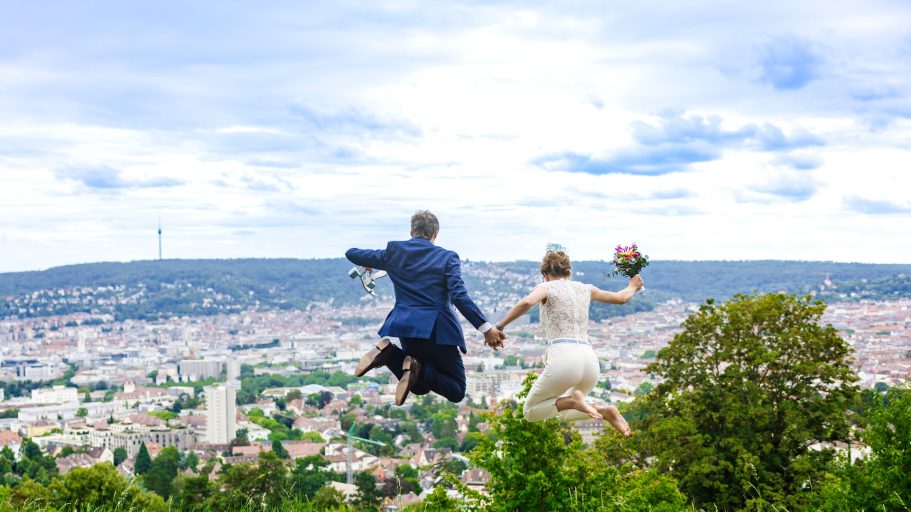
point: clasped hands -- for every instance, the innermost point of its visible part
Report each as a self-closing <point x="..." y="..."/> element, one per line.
<point x="494" y="337"/>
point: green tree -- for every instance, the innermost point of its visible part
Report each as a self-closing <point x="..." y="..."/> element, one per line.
<point x="191" y="493"/>
<point x="261" y="485"/>
<point x="34" y="464"/>
<point x="525" y="460"/>
<point x="190" y="460"/>
<point x="368" y="496"/>
<point x="328" y="498"/>
<point x="309" y="475"/>
<point x="319" y="400"/>
<point x="544" y="466"/>
<point x="143" y="460"/>
<point x="645" y="388"/>
<point x="313" y="437"/>
<point x="280" y="450"/>
<point x="7" y="460"/>
<point x="446" y="442"/>
<point x="120" y="455"/>
<point x="162" y="472"/>
<point x="746" y="388"/>
<point x="347" y="420"/>
<point x="240" y="438"/>
<point x="443" y="424"/>
<point x="82" y="412"/>
<point x="883" y="480"/>
<point x="437" y="501"/>
<point x="100" y="486"/>
<point x="408" y="474"/>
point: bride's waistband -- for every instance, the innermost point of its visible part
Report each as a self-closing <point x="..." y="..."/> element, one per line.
<point x="555" y="341"/>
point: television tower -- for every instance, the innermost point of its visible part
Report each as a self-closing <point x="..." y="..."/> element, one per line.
<point x="159" y="238"/>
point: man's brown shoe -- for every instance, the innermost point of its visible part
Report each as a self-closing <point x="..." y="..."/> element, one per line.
<point x="378" y="356"/>
<point x="411" y="372"/>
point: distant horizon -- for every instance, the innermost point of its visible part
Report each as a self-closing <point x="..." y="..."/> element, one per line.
<point x="464" y="260"/>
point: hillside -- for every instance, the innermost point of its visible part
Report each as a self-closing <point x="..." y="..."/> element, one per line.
<point x="160" y="289"/>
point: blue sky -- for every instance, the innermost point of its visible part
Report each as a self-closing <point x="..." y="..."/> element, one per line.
<point x="700" y="130"/>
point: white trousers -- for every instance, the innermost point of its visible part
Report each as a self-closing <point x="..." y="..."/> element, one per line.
<point x="568" y="367"/>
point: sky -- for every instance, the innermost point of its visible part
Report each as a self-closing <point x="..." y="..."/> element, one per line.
<point x="700" y="130"/>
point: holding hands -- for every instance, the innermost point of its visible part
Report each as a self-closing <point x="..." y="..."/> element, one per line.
<point x="494" y="337"/>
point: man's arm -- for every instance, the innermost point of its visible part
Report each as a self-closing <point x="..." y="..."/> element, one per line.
<point x="458" y="295"/>
<point x="370" y="258"/>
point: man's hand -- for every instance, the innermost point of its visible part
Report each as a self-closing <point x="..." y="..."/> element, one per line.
<point x="635" y="282"/>
<point x="494" y="337"/>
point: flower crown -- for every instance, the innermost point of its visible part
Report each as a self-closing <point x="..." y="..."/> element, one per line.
<point x="552" y="247"/>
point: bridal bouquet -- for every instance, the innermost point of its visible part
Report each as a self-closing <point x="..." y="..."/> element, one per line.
<point x="628" y="261"/>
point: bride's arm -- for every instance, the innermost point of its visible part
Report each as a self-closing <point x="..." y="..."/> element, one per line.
<point x="522" y="307"/>
<point x="621" y="297"/>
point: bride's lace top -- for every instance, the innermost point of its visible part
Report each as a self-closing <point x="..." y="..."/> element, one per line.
<point x="565" y="314"/>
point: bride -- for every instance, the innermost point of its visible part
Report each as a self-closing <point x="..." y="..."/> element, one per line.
<point x="571" y="368"/>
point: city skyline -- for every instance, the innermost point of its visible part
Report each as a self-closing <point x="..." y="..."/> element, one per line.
<point x="702" y="131"/>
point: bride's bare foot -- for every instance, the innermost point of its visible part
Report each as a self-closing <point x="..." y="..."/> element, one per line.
<point x="577" y="401"/>
<point x="613" y="416"/>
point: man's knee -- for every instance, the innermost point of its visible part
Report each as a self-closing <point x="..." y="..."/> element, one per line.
<point x="456" y="395"/>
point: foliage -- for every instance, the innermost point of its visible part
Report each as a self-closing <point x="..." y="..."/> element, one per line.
<point x="408" y="474"/>
<point x="884" y="478"/>
<point x="120" y="455"/>
<point x="328" y="498"/>
<point x="164" y="415"/>
<point x="189" y="461"/>
<point x="32" y="464"/>
<point x="437" y="501"/>
<point x="143" y="460"/>
<point x="87" y="488"/>
<point x="544" y="466"/>
<point x="309" y="475"/>
<point x="162" y="472"/>
<point x="278" y="425"/>
<point x="259" y="484"/>
<point x="192" y="493"/>
<point x="252" y="386"/>
<point x="151" y="290"/>
<point x="319" y="400"/>
<point x="746" y="388"/>
<point x="280" y="450"/>
<point x="368" y="497"/>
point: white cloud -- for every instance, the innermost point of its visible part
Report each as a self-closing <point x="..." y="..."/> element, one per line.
<point x="292" y="130"/>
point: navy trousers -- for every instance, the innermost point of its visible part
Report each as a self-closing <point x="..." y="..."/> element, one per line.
<point x="442" y="370"/>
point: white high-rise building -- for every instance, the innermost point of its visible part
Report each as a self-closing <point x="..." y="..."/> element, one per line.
<point x="232" y="366"/>
<point x="220" y="413"/>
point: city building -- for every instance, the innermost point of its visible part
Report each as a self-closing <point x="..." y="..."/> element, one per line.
<point x="55" y="395"/>
<point x="197" y="369"/>
<point x="220" y="413"/>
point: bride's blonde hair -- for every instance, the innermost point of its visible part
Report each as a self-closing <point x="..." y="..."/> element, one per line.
<point x="556" y="264"/>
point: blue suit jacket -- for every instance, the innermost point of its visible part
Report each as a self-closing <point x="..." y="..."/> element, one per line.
<point x="428" y="282"/>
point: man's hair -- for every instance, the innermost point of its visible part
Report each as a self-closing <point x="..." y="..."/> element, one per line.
<point x="424" y="224"/>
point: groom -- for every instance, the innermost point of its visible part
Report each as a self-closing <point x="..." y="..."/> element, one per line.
<point x="428" y="283"/>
